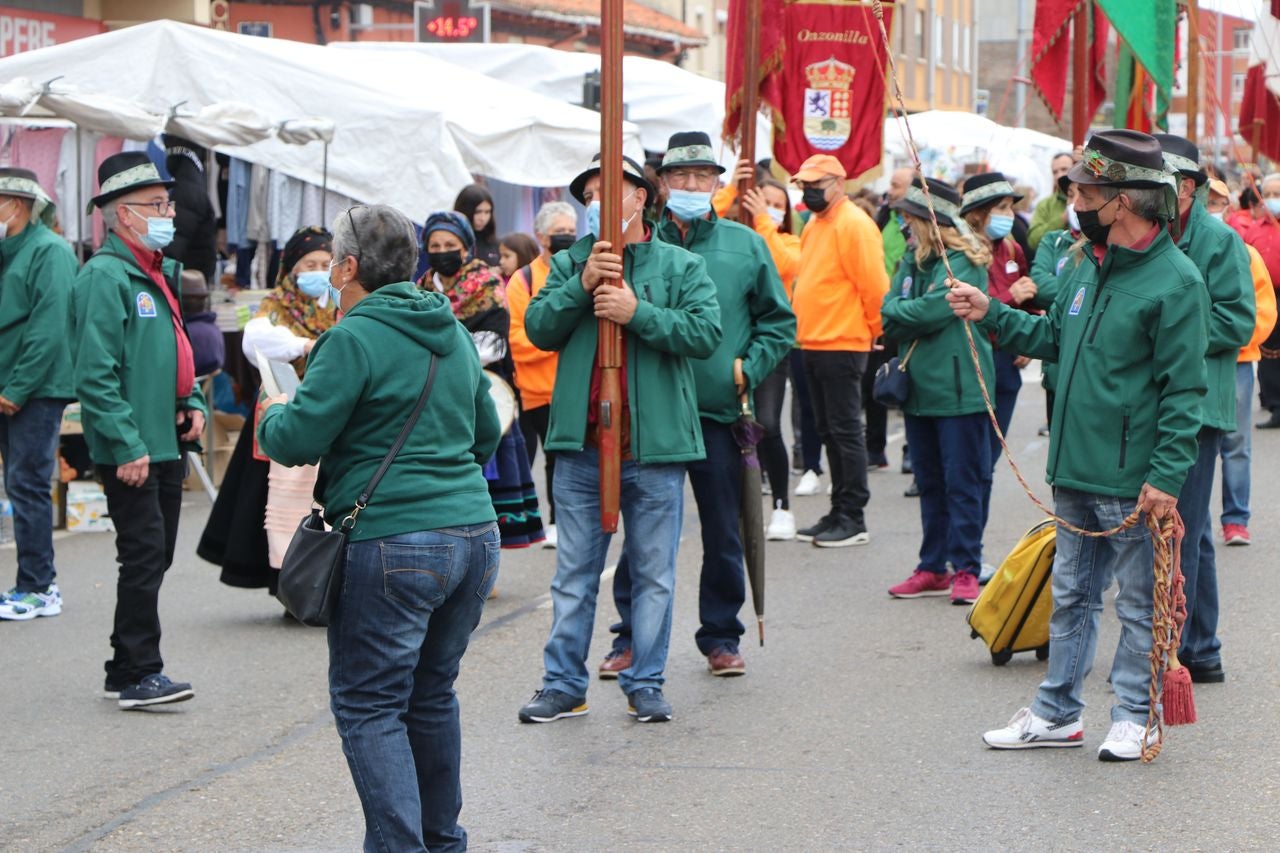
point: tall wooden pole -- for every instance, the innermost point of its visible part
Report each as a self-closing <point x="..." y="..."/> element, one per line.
<point x="1194" y="59"/>
<point x="750" y="100"/>
<point x="609" y="344"/>
<point x="1080" y="117"/>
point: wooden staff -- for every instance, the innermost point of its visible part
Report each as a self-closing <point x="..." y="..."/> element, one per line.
<point x="609" y="344"/>
<point x="1080" y="117"/>
<point x="750" y="101"/>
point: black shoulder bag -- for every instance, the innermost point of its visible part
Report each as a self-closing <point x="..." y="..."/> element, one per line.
<point x="311" y="576"/>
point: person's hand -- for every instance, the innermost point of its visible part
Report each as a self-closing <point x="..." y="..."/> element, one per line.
<point x="1022" y="290"/>
<point x="309" y="346"/>
<point x="739" y="379"/>
<point x="753" y="202"/>
<point x="8" y="407"/>
<point x="267" y="402"/>
<point x="616" y="302"/>
<point x="1077" y="153"/>
<point x="134" y="473"/>
<point x="601" y="266"/>
<point x="197" y="424"/>
<point x="1021" y="361"/>
<point x="1156" y="503"/>
<point x="744" y="171"/>
<point x="877" y="345"/>
<point x="967" y="301"/>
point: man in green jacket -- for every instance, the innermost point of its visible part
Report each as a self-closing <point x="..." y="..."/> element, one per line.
<point x="1129" y="331"/>
<point x="37" y="269"/>
<point x="759" y="330"/>
<point x="141" y="408"/>
<point x="1050" y="212"/>
<point x="1219" y="253"/>
<point x="662" y="297"/>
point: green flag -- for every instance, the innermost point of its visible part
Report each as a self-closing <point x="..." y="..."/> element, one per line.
<point x="1148" y="39"/>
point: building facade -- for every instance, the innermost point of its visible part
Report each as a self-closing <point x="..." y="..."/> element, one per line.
<point x="936" y="46"/>
<point x="1224" y="56"/>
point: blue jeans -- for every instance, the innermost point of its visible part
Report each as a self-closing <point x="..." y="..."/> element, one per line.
<point x="717" y="489"/>
<point x="1083" y="569"/>
<point x="1008" y="384"/>
<point x="408" y="606"/>
<point x="29" y="445"/>
<point x="652" y="508"/>
<point x="1237" y="452"/>
<point x="953" y="470"/>
<point x="1200" y="645"/>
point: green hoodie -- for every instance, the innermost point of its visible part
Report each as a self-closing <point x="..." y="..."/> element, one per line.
<point x="677" y="319"/>
<point x="37" y="271"/>
<point x="942" y="381"/>
<point x="1129" y="335"/>
<point x="1223" y="261"/>
<point x="363" y="378"/>
<point x="1048" y="216"/>
<point x="755" y="316"/>
<point x="126" y="360"/>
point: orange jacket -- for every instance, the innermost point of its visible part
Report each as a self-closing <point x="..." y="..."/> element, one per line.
<point x="784" y="249"/>
<point x="841" y="281"/>
<point x="535" y="368"/>
<point x="1265" y="297"/>
<point x="724" y="199"/>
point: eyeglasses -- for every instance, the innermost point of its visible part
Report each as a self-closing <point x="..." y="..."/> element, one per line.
<point x="355" y="232"/>
<point x="160" y="207"/>
<point x="685" y="177"/>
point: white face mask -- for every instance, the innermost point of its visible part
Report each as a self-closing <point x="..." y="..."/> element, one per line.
<point x="4" y="225"/>
<point x="1073" y="221"/>
<point x="1220" y="215"/>
<point x="777" y="214"/>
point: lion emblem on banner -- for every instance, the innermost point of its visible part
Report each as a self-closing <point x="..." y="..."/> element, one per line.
<point x="828" y="118"/>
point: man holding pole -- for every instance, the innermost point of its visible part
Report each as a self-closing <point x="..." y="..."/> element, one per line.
<point x="664" y="300"/>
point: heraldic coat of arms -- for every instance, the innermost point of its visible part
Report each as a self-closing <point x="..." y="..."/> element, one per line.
<point x="827" y="118"/>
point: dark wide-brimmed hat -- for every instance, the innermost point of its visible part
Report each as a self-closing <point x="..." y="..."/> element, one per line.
<point x="123" y="173"/>
<point x="1182" y="156"/>
<point x="1122" y="158"/>
<point x="946" y="202"/>
<point x="985" y="188"/>
<point x="22" y="183"/>
<point x="453" y="222"/>
<point x="689" y="148"/>
<point x="630" y="170"/>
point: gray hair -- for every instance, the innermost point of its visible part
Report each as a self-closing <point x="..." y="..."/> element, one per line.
<point x="1149" y="203"/>
<point x="1274" y="176"/>
<point x="382" y="241"/>
<point x="110" y="218"/>
<point x="550" y="212"/>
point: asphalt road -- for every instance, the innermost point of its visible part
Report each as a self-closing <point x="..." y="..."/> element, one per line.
<point x="856" y="728"/>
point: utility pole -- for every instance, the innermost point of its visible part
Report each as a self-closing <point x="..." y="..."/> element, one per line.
<point x="1022" y="66"/>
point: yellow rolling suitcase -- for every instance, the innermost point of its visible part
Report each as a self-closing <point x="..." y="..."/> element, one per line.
<point x="1012" y="613"/>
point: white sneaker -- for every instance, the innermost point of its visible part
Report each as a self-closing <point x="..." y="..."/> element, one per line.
<point x="809" y="484"/>
<point x="25" y="606"/>
<point x="782" y="526"/>
<point x="1125" y="742"/>
<point x="1027" y="731"/>
<point x="550" y="541"/>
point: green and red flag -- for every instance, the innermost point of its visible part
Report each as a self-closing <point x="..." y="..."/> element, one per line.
<point x="1144" y="75"/>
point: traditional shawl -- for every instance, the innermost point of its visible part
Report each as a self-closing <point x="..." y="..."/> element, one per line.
<point x="286" y="305"/>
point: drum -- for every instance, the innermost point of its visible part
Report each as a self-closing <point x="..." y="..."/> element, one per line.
<point x="504" y="400"/>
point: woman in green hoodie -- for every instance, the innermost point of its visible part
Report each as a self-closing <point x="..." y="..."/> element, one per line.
<point x="423" y="556"/>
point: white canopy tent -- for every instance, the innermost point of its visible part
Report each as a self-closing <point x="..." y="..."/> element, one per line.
<point x="409" y="129"/>
<point x="660" y="97"/>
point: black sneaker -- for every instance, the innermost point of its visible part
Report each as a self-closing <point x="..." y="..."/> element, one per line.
<point x="648" y="706"/>
<point x="113" y="689"/>
<point x="913" y="491"/>
<point x="906" y="461"/>
<point x="155" y="690"/>
<point x="806" y="534"/>
<point x="842" y="533"/>
<point x="547" y="706"/>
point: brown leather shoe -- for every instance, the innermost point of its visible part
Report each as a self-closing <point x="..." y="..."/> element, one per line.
<point x="726" y="662"/>
<point x="614" y="663"/>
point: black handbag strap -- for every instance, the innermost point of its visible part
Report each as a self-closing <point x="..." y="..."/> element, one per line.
<point x="363" y="501"/>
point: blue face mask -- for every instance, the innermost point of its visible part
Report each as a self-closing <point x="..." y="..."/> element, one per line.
<point x="686" y="205"/>
<point x="335" y="293"/>
<point x="313" y="283"/>
<point x="159" y="233"/>
<point x="999" y="226"/>
<point x="1273" y="205"/>
<point x="593" y="216"/>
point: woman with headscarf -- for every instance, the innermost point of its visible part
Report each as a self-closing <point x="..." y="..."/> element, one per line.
<point x="479" y="302"/>
<point x="261" y="501"/>
<point x="476" y="204"/>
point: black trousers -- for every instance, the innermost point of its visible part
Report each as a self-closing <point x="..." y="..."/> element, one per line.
<point x="146" y="522"/>
<point x="877" y="414"/>
<point x="835" y="386"/>
<point x="534" y="424"/>
<point x="773" y="450"/>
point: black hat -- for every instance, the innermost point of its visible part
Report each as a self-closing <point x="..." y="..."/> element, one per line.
<point x="1121" y="158"/>
<point x="946" y="202"/>
<point x="1063" y="183"/>
<point x="985" y="188"/>
<point x="689" y="148"/>
<point x="1181" y="156"/>
<point x="123" y="173"/>
<point x="630" y="170"/>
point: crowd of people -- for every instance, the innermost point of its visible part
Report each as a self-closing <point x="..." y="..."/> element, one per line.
<point x="1145" y="294"/>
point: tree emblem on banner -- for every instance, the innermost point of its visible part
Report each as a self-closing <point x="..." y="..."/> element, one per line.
<point x="828" y="117"/>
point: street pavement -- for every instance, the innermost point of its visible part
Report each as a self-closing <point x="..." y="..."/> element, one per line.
<point x="857" y="726"/>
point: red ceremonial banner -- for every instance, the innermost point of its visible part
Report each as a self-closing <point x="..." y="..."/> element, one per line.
<point x="832" y="85"/>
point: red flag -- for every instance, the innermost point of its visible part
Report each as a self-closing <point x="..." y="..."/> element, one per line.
<point x="770" y="61"/>
<point x="1260" y="110"/>
<point x="1051" y="54"/>
<point x="832" y="86"/>
<point x="1098" y="61"/>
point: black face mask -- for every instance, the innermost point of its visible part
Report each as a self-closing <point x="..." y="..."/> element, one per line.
<point x="815" y="198"/>
<point x="560" y="242"/>
<point x="1092" y="228"/>
<point x="445" y="263"/>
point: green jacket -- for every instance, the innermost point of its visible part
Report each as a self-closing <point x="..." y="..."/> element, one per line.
<point x="895" y="243"/>
<point x="363" y="378"/>
<point x="755" y="316"/>
<point x="943" y="382"/>
<point x="1048" y="216"/>
<point x="1219" y="253"/>
<point x="677" y="319"/>
<point x="126" y="361"/>
<point x="1053" y="265"/>
<point x="37" y="271"/>
<point x="1129" y="335"/>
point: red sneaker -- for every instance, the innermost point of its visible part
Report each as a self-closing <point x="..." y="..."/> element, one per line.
<point x="922" y="583"/>
<point x="965" y="588"/>
<point x="1235" y="534"/>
